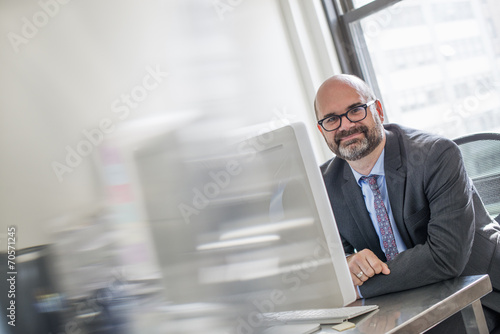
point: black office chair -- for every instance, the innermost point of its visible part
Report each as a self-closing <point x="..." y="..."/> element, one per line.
<point x="481" y="153"/>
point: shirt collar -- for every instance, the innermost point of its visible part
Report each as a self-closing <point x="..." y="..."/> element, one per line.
<point x="378" y="169"/>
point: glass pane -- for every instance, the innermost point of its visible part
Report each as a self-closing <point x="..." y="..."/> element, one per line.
<point x="360" y="3"/>
<point x="437" y="63"/>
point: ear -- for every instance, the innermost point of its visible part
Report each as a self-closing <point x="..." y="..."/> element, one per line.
<point x="380" y="110"/>
<point x="320" y="128"/>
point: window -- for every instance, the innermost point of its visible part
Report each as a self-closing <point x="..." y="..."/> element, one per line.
<point x="433" y="64"/>
<point x="452" y="11"/>
<point x="359" y="3"/>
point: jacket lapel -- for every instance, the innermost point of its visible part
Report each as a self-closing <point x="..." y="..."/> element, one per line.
<point x="395" y="176"/>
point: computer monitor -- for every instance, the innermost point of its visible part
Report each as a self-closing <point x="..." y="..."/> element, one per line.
<point x="242" y="228"/>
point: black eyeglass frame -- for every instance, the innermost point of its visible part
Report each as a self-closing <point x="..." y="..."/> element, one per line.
<point x="364" y="106"/>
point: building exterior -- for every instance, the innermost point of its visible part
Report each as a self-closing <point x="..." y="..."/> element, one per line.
<point x="437" y="64"/>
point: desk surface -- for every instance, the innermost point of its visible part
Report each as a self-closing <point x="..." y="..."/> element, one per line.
<point x="416" y="310"/>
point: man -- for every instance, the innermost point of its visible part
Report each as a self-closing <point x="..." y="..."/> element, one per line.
<point x="418" y="220"/>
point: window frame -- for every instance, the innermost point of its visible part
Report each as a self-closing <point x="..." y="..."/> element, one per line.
<point x="352" y="52"/>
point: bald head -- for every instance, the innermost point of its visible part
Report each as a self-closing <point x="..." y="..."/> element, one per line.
<point x="339" y="85"/>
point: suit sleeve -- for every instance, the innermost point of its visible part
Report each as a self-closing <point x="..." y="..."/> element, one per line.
<point x="348" y="248"/>
<point x="448" y="226"/>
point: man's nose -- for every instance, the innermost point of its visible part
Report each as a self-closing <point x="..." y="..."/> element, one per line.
<point x="345" y="123"/>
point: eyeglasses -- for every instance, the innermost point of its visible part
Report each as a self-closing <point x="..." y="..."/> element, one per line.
<point x="354" y="115"/>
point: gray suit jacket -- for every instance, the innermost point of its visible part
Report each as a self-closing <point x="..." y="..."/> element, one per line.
<point x="436" y="209"/>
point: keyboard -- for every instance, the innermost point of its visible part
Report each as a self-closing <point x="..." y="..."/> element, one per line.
<point x="322" y="316"/>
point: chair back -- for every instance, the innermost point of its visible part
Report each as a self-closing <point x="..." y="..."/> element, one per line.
<point x="481" y="154"/>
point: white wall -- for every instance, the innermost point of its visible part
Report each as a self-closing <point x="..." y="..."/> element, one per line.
<point x="63" y="66"/>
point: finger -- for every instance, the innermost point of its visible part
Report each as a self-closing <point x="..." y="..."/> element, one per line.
<point x="356" y="268"/>
<point x="363" y="261"/>
<point x="366" y="262"/>
<point x="361" y="275"/>
<point x="378" y="266"/>
<point x="367" y="269"/>
<point x="356" y="280"/>
<point x="352" y="262"/>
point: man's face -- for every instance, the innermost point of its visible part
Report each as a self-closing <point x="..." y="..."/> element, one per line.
<point x="351" y="141"/>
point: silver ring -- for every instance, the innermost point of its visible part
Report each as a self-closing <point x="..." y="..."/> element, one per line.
<point x="360" y="274"/>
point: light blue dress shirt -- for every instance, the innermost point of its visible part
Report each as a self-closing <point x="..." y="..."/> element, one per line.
<point x="378" y="169"/>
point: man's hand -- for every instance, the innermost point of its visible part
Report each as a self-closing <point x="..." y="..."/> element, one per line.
<point x="365" y="264"/>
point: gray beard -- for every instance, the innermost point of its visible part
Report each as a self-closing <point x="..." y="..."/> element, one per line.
<point x="356" y="151"/>
<point x="358" y="148"/>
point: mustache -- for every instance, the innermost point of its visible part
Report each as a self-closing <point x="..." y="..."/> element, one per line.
<point x="345" y="133"/>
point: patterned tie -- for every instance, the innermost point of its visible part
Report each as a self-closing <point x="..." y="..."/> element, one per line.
<point x="384" y="223"/>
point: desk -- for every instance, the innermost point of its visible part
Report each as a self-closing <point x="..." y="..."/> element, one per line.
<point x="417" y="310"/>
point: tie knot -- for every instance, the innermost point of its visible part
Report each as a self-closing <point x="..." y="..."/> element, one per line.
<point x="371" y="180"/>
